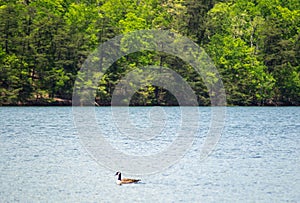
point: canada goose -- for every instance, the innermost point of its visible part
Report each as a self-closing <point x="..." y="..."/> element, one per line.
<point x="121" y="181"/>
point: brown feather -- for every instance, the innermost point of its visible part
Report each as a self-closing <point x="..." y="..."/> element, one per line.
<point x="128" y="180"/>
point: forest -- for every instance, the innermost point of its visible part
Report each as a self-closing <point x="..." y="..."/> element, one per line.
<point x="254" y="44"/>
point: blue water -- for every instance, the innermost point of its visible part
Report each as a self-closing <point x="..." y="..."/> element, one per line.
<point x="256" y="159"/>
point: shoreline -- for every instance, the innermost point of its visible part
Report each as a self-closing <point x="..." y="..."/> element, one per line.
<point x="69" y="103"/>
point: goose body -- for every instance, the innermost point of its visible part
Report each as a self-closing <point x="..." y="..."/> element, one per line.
<point x="121" y="180"/>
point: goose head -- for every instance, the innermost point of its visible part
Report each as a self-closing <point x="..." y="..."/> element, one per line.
<point x="118" y="181"/>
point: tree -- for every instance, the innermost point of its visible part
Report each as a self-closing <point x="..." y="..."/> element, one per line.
<point x="234" y="45"/>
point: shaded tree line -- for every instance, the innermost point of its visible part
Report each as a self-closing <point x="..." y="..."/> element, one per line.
<point x="253" y="43"/>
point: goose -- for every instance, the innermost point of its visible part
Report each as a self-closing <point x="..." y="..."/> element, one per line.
<point x="121" y="181"/>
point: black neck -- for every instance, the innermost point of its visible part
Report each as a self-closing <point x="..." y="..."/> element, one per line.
<point x="119" y="176"/>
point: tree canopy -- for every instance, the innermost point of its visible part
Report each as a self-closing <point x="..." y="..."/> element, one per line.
<point x="255" y="45"/>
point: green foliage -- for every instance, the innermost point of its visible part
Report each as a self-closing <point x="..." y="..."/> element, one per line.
<point x="254" y="45"/>
<point x="245" y="78"/>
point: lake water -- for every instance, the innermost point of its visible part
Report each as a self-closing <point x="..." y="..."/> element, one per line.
<point x="256" y="159"/>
